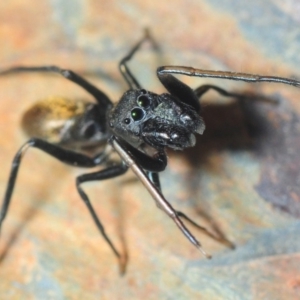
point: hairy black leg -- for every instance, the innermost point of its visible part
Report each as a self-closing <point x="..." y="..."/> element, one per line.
<point x="189" y="71"/>
<point x="179" y="89"/>
<point x="128" y="76"/>
<point x="66" y="156"/>
<point x="101" y="98"/>
<point x="100" y="175"/>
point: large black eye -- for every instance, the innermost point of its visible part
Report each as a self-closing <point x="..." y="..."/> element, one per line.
<point x="143" y="101"/>
<point x="137" y="114"/>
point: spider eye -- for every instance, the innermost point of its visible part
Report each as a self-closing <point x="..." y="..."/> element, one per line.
<point x="143" y="101"/>
<point x="127" y="121"/>
<point x="137" y="114"/>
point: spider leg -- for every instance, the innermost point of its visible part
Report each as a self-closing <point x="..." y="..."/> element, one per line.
<point x="219" y="239"/>
<point x="189" y="71"/>
<point x="154" y="177"/>
<point x="152" y="165"/>
<point x="161" y="202"/>
<point x="66" y="156"/>
<point x="244" y="96"/>
<point x="101" y="175"/>
<point x="206" y="87"/>
<point x="126" y="73"/>
<point x="179" y="89"/>
<point x="187" y="95"/>
<point x="101" y="98"/>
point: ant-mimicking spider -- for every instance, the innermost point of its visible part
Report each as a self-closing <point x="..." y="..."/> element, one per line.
<point x="139" y="128"/>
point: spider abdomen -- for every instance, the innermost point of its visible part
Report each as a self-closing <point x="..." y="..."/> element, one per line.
<point x="69" y="122"/>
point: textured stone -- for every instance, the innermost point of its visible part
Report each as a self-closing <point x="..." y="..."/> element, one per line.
<point x="241" y="180"/>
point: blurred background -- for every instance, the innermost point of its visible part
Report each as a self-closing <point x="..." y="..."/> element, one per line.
<point x="241" y="181"/>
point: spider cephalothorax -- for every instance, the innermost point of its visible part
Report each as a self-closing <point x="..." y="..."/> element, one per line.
<point x="158" y="120"/>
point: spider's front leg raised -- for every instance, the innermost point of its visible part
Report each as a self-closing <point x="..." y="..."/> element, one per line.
<point x="251" y="78"/>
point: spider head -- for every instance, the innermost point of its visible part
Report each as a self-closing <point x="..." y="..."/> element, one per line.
<point x="142" y="117"/>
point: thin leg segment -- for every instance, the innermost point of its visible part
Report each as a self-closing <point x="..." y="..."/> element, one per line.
<point x="205" y="231"/>
<point x="101" y="98"/>
<point x="128" y="76"/>
<point x="189" y="71"/>
<point x="100" y="175"/>
<point x="206" y="87"/>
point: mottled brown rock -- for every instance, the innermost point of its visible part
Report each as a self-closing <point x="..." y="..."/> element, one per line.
<point x="241" y="180"/>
